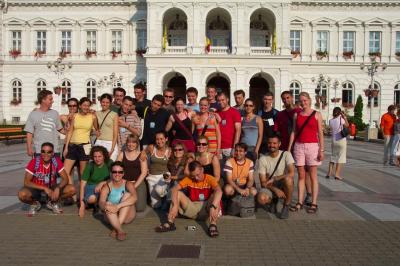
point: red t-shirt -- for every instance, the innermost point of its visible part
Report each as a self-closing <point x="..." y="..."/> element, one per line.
<point x="227" y="126"/>
<point x="41" y="176"/>
<point x="284" y="125"/>
<point x="199" y="190"/>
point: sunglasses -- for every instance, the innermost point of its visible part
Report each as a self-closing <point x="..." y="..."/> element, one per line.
<point x="46" y="152"/>
<point x="72" y="105"/>
<point x="201" y="144"/>
<point x="178" y="149"/>
<point x="117" y="172"/>
<point x="166" y="96"/>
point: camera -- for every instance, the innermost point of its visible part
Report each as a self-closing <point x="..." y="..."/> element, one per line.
<point x="166" y="175"/>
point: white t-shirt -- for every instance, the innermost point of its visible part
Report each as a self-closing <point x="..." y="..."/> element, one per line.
<point x="267" y="164"/>
<point x="336" y="125"/>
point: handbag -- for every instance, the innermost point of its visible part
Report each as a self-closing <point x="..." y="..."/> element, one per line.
<point x="345" y="130"/>
<point x="189" y="143"/>
<point x="241" y="206"/>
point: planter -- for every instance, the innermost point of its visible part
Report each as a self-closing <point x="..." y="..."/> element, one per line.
<point x="64" y="54"/>
<point x="140" y="52"/>
<point x="374" y="93"/>
<point x="114" y="54"/>
<point x="374" y="55"/>
<point x="347" y="105"/>
<point x="89" y="54"/>
<point x="335" y="100"/>
<point x="39" y="54"/>
<point x="295" y="53"/>
<point x="15" y="53"/>
<point x="367" y="93"/>
<point x="321" y="54"/>
<point x="348" y="55"/>
<point x="15" y="102"/>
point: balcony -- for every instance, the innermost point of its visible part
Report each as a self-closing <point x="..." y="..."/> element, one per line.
<point x="219" y="50"/>
<point x="176" y="50"/>
<point x="260" y="50"/>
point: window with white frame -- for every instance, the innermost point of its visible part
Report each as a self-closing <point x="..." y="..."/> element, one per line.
<point x="397" y="94"/>
<point x="397" y="41"/>
<point x="347" y="93"/>
<point x="116" y="36"/>
<point x="40" y="85"/>
<point x="16" y="40"/>
<point x="376" y="87"/>
<point x="295" y="40"/>
<point x="66" y="90"/>
<point x="374" y="41"/>
<point x="91" y="90"/>
<point x="348" y="41"/>
<point x="141" y="39"/>
<point x="91" y="41"/>
<point x="41" y="41"/>
<point x="322" y="41"/>
<point x="16" y="90"/>
<point x="324" y="90"/>
<point x="295" y="90"/>
<point x="66" y="41"/>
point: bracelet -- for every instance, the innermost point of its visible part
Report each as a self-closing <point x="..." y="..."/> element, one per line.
<point x="213" y="206"/>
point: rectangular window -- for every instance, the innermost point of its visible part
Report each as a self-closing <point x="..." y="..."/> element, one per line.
<point x="41" y="41"/>
<point x="116" y="40"/>
<point x="66" y="41"/>
<point x="16" y="40"/>
<point x="91" y="41"/>
<point x="295" y="40"/>
<point x="348" y="41"/>
<point x="322" y="41"/>
<point x="141" y="39"/>
<point x="374" y="41"/>
<point x="397" y="41"/>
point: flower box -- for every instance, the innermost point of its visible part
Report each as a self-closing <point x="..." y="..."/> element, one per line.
<point x="39" y="53"/>
<point x="114" y="54"/>
<point x="140" y="52"/>
<point x="397" y="54"/>
<point x="348" y="55"/>
<point x="15" y="102"/>
<point x="63" y="54"/>
<point x="89" y="54"/>
<point x="374" y="55"/>
<point x="321" y="54"/>
<point x="15" y="53"/>
<point x="347" y="105"/>
<point x="295" y="53"/>
<point x="335" y="100"/>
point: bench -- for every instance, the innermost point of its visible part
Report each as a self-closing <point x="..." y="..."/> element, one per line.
<point x="10" y="133"/>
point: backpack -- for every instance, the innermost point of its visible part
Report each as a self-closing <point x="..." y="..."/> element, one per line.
<point x="241" y="206"/>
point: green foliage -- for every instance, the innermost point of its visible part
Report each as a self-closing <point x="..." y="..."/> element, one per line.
<point x="357" y="118"/>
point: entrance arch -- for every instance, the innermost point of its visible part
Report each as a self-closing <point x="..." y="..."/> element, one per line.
<point x="221" y="82"/>
<point x="260" y="84"/>
<point x="177" y="82"/>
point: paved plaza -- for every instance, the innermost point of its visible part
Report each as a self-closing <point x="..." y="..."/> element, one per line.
<point x="358" y="222"/>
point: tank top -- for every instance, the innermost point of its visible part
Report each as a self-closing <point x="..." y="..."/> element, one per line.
<point x="107" y="128"/>
<point x="82" y="127"/>
<point x="179" y="132"/>
<point x="250" y="131"/>
<point x="310" y="131"/>
<point x="208" y="168"/>
<point x="211" y="133"/>
<point x="116" y="194"/>
<point x="158" y="165"/>
<point x="132" y="168"/>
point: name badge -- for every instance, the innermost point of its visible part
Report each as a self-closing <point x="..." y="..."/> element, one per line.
<point x="152" y="125"/>
<point x="122" y="130"/>
<point x="223" y="122"/>
<point x="270" y="121"/>
<point x="201" y="197"/>
<point x="47" y="179"/>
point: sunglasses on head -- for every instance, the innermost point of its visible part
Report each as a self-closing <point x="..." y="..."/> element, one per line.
<point x="46" y="152"/>
<point x="117" y="172"/>
<point x="201" y="144"/>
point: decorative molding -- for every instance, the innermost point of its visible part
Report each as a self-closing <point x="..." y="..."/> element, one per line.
<point x="29" y="3"/>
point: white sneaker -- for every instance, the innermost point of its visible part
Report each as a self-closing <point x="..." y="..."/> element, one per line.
<point x="34" y="208"/>
<point x="54" y="207"/>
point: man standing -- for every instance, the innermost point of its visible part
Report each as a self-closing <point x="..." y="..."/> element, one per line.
<point x="118" y="95"/>
<point x="276" y="171"/>
<point x="268" y="115"/>
<point x="387" y="126"/>
<point x="239" y="99"/>
<point x="42" y="125"/>
<point x="128" y="122"/>
<point x="211" y="92"/>
<point x="191" y="94"/>
<point x="168" y="100"/>
<point x="230" y="125"/>
<point x="155" y="120"/>
<point x="41" y="181"/>
<point x="141" y="102"/>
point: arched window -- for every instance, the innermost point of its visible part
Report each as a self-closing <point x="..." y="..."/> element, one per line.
<point x="347" y="93"/>
<point x="376" y="87"/>
<point x="66" y="90"/>
<point x="295" y="90"/>
<point x="16" y="91"/>
<point x="41" y="85"/>
<point x="397" y="94"/>
<point x="91" y="90"/>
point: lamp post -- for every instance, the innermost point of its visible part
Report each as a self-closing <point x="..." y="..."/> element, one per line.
<point x="335" y="85"/>
<point x="110" y="80"/>
<point x="321" y="81"/>
<point x="58" y="67"/>
<point x="371" y="92"/>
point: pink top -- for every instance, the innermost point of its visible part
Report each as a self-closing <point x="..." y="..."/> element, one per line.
<point x="310" y="131"/>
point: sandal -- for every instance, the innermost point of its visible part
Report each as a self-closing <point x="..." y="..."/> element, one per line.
<point x="296" y="207"/>
<point x="167" y="227"/>
<point x="213" y="230"/>
<point x="121" y="236"/>
<point x="313" y="208"/>
<point x="113" y="234"/>
<point x="338" y="178"/>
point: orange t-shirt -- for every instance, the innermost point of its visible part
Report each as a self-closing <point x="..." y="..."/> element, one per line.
<point x="199" y="190"/>
<point x="387" y="124"/>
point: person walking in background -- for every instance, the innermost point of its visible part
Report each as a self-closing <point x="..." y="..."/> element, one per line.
<point x="396" y="139"/>
<point x="252" y="130"/>
<point x="308" y="140"/>
<point x="387" y="126"/>
<point x="339" y="142"/>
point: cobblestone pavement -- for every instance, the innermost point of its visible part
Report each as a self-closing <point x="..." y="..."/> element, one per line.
<point x="358" y="222"/>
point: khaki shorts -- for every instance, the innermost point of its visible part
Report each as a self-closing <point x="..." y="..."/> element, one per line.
<point x="195" y="210"/>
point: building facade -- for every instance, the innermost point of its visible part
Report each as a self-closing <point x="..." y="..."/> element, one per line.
<point x="257" y="46"/>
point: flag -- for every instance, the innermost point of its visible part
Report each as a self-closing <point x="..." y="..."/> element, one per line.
<point x="274" y="43"/>
<point x="165" y="41"/>
<point x="208" y="44"/>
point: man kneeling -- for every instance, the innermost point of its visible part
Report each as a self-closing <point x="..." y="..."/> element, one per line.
<point x="276" y="177"/>
<point x="40" y="183"/>
<point x="204" y="196"/>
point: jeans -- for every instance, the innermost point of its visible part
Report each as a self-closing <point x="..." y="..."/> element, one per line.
<point x="387" y="150"/>
<point x="395" y="145"/>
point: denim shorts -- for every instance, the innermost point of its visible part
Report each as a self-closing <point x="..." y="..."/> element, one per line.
<point x="89" y="191"/>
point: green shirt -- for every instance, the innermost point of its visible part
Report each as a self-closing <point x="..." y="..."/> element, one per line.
<point x="94" y="174"/>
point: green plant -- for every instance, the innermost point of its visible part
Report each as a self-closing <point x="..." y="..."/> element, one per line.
<point x="357" y="118"/>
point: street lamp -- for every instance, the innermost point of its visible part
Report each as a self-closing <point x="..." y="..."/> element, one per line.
<point x="372" y="92"/>
<point x="58" y="67"/>
<point x="111" y="80"/>
<point x="322" y="81"/>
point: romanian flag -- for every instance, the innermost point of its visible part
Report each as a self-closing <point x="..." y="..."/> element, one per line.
<point x="165" y="40"/>
<point x="274" y="43"/>
<point x="208" y="44"/>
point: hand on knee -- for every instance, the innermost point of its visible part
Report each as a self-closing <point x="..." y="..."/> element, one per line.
<point x="228" y="190"/>
<point x="263" y="199"/>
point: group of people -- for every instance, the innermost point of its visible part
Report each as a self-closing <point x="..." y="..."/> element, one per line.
<point x="185" y="157"/>
<point x="390" y="126"/>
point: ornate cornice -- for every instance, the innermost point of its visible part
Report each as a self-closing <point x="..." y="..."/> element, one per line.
<point x="345" y="3"/>
<point x="12" y="3"/>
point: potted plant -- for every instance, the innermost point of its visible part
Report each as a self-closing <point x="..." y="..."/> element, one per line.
<point x="39" y="53"/>
<point x="397" y="54"/>
<point x="63" y="54"/>
<point x="140" y="52"/>
<point x="367" y="92"/>
<point x="295" y="53"/>
<point x="321" y="54"/>
<point x="114" y="54"/>
<point x="89" y="54"/>
<point x="374" y="55"/>
<point x="323" y="101"/>
<point x="15" y="53"/>
<point x="348" y="54"/>
<point x="15" y="102"/>
<point x="335" y="100"/>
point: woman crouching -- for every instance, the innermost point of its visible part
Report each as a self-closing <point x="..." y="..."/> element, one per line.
<point x="117" y="200"/>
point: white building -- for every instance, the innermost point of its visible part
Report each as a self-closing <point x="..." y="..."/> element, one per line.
<point x="257" y="46"/>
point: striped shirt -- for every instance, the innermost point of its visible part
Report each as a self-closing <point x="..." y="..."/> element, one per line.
<point x="133" y="121"/>
<point x="210" y="133"/>
<point x="239" y="172"/>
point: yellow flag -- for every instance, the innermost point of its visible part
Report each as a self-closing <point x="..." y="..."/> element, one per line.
<point x="164" y="43"/>
<point x="274" y="43"/>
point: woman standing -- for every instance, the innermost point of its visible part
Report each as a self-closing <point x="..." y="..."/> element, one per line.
<point x="66" y="119"/>
<point x="206" y="124"/>
<point x="252" y="130"/>
<point x="135" y="169"/>
<point x="181" y="124"/>
<point x="117" y="200"/>
<point x="396" y="139"/>
<point x="108" y="125"/>
<point x="339" y="143"/>
<point x="77" y="144"/>
<point x="308" y="140"/>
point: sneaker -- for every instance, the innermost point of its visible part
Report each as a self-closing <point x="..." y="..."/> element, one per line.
<point x="284" y="212"/>
<point x="308" y="199"/>
<point x="272" y="205"/>
<point x="34" y="208"/>
<point x="54" y="207"/>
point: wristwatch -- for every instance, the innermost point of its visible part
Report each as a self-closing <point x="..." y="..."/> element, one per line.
<point x="213" y="206"/>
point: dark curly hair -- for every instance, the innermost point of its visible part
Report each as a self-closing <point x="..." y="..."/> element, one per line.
<point x="101" y="149"/>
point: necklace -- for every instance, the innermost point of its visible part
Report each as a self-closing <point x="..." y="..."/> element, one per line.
<point x="241" y="166"/>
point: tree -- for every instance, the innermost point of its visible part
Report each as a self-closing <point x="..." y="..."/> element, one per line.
<point x="357" y="118"/>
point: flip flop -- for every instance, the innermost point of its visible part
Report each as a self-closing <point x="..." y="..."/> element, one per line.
<point x="121" y="236"/>
<point x="338" y="178"/>
<point x="167" y="227"/>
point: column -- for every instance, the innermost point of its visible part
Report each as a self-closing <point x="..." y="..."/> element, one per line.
<point x="243" y="30"/>
<point x="285" y="42"/>
<point x="152" y="85"/>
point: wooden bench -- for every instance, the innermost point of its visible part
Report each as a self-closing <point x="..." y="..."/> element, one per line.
<point x="10" y="133"/>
